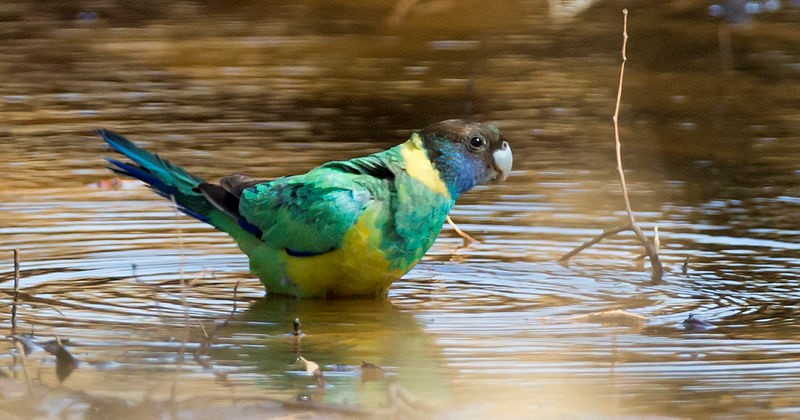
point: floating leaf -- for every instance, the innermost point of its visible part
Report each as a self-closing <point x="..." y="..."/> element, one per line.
<point x="65" y="361"/>
<point x="52" y="346"/>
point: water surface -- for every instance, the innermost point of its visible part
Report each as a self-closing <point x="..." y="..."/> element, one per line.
<point x="710" y="128"/>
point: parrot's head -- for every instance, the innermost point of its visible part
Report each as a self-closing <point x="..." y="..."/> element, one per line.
<point x="467" y="153"/>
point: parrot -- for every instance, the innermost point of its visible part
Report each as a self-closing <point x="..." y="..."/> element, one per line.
<point x="346" y="228"/>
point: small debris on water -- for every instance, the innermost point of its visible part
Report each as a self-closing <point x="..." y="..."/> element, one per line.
<point x="692" y="323"/>
<point x="371" y="372"/>
<point x="614" y="316"/>
<point x="65" y="361"/>
<point x="116" y="184"/>
<point x="296" y="324"/>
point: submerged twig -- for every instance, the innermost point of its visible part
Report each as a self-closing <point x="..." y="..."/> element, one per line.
<point x="405" y="404"/>
<point x="184" y="305"/>
<point x="22" y="358"/>
<point x="16" y="293"/>
<point x="183" y="282"/>
<point x="201" y="354"/>
<point x="605" y="234"/>
<point x="651" y="247"/>
<point x="235" y="292"/>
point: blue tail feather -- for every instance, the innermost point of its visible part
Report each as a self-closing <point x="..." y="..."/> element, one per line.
<point x="151" y="161"/>
<point x="144" y="175"/>
<point x="166" y="179"/>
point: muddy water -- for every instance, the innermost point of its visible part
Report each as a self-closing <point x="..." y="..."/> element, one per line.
<point x="710" y="126"/>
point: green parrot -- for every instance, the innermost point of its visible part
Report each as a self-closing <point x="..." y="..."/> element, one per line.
<point x="345" y="228"/>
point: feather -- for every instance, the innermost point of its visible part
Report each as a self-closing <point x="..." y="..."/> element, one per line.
<point x="344" y="228"/>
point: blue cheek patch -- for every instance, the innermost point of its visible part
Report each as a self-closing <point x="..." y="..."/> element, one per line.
<point x="460" y="169"/>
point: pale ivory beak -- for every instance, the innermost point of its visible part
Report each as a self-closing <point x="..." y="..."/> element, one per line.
<point x="503" y="160"/>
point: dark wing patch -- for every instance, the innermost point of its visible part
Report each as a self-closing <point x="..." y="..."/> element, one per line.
<point x="236" y="183"/>
<point x="227" y="203"/>
<point x="301" y="254"/>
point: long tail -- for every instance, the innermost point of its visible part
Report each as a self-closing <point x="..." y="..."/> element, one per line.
<point x="175" y="183"/>
<point x="163" y="177"/>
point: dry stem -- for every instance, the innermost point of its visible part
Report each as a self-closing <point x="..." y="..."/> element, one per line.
<point x="606" y="233"/>
<point x="22" y="358"/>
<point x="650" y="247"/>
<point x="16" y="294"/>
<point x="183" y="283"/>
<point x="184" y="305"/>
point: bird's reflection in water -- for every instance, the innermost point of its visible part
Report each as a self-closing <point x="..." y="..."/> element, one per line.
<point x="361" y="347"/>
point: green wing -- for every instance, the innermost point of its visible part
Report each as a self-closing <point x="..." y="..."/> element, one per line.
<point x="310" y="214"/>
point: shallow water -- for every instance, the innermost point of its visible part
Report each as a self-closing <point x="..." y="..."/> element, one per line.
<point x="710" y="129"/>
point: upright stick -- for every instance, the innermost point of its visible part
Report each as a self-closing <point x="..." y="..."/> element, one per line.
<point x="650" y="249"/>
<point x="16" y="293"/>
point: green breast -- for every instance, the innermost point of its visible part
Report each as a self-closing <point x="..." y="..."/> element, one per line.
<point x="413" y="217"/>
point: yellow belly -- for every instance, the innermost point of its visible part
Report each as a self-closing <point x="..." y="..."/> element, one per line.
<point x="357" y="268"/>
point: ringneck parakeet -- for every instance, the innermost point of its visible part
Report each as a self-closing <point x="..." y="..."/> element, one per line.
<point x="345" y="228"/>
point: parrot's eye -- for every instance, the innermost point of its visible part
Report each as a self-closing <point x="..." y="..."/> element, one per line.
<point x="477" y="143"/>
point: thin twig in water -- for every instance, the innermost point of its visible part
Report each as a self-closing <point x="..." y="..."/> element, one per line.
<point x="651" y="248"/>
<point x="235" y="292"/>
<point x="606" y="233"/>
<point x="184" y="305"/>
<point x="16" y="294"/>
<point x="201" y="354"/>
<point x="183" y="283"/>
